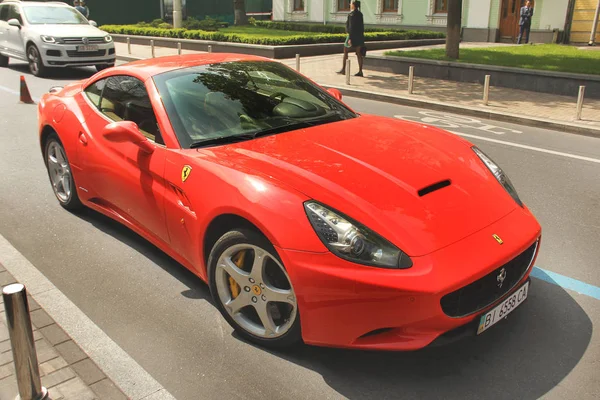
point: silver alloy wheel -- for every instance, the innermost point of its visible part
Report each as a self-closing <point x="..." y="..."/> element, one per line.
<point x="34" y="60"/>
<point x="60" y="173"/>
<point x="256" y="290"/>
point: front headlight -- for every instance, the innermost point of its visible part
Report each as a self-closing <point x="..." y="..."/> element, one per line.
<point x="48" y="39"/>
<point x="352" y="241"/>
<point x="499" y="174"/>
<point x="108" y="38"/>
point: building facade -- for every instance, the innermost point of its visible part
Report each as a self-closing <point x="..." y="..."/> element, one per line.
<point x="482" y="20"/>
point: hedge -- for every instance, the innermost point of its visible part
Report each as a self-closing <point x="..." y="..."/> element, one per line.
<point x="274" y="41"/>
<point x="302" y="27"/>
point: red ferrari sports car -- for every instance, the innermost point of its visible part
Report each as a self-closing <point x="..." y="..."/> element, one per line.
<point x="307" y="220"/>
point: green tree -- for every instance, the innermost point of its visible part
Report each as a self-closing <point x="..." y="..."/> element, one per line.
<point x="239" y="12"/>
<point x="453" y="28"/>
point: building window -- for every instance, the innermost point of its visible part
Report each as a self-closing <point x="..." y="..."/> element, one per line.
<point x="343" y="5"/>
<point x="298" y="5"/>
<point x="441" y="6"/>
<point x="390" y="5"/>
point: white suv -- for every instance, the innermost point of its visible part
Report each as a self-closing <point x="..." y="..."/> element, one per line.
<point x="51" y="34"/>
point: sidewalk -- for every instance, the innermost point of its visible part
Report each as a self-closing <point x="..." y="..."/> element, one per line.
<point x="66" y="371"/>
<point x="463" y="97"/>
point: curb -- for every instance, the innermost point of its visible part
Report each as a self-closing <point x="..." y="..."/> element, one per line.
<point x="564" y="126"/>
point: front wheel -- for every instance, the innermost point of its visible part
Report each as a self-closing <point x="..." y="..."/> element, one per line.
<point x="253" y="291"/>
<point x="36" y="65"/>
<point x="59" y="172"/>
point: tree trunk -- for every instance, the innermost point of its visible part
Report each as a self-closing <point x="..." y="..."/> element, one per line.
<point x="239" y="11"/>
<point x="453" y="29"/>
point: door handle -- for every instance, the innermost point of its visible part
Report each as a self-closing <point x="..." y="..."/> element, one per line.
<point x="83" y="138"/>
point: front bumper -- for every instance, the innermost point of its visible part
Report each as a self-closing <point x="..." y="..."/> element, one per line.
<point x="343" y="304"/>
<point x="63" y="55"/>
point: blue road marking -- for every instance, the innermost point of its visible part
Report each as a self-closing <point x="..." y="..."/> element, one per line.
<point x="566" y="283"/>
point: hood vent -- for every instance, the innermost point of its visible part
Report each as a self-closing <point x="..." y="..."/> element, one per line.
<point x="434" y="187"/>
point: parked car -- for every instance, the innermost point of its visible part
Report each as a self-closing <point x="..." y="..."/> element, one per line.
<point x="308" y="220"/>
<point x="51" y="35"/>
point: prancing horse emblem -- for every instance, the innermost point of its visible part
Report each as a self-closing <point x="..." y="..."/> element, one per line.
<point x="501" y="277"/>
<point x="185" y="173"/>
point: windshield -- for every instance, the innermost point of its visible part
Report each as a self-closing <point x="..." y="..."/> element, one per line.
<point x="39" y="15"/>
<point x="243" y="99"/>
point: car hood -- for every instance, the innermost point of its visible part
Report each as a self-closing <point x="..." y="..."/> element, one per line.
<point x="65" y="30"/>
<point x="372" y="169"/>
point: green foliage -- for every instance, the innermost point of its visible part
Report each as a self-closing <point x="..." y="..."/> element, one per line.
<point x="157" y="22"/>
<point x="549" y="57"/>
<point x="165" y="25"/>
<point x="207" y="24"/>
<point x="301" y="27"/>
<point x="252" y="21"/>
<point x="249" y="38"/>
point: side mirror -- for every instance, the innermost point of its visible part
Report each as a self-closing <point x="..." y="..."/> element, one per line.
<point x="14" y="22"/>
<point x="335" y="93"/>
<point x="93" y="23"/>
<point x="127" y="131"/>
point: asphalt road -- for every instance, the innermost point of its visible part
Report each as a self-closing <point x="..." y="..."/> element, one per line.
<point x="163" y="316"/>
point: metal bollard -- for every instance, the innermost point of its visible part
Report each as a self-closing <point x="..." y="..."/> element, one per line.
<point x="348" y="72"/>
<point x="580" y="101"/>
<point x="209" y="48"/>
<point x="23" y="346"/>
<point x="411" y="79"/>
<point x="298" y="62"/>
<point x="152" y="47"/>
<point x="486" y="90"/>
<point x="129" y="45"/>
<point x="178" y="48"/>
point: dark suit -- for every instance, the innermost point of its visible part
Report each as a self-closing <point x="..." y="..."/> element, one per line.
<point x="525" y="23"/>
<point x="355" y="28"/>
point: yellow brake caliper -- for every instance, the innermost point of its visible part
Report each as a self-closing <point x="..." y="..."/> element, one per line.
<point x="233" y="286"/>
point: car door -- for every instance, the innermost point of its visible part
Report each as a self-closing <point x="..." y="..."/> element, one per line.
<point x="14" y="37"/>
<point x="120" y="176"/>
<point x="3" y="25"/>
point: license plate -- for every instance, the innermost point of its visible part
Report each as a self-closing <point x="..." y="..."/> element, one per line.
<point x="91" y="47"/>
<point x="503" y="309"/>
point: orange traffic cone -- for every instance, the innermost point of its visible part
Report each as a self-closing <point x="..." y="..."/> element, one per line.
<point x="25" y="95"/>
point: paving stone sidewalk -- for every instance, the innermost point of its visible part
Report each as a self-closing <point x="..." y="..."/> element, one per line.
<point x="66" y="371"/>
<point x="322" y="69"/>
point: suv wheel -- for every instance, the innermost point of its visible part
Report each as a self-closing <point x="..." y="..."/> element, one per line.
<point x="36" y="65"/>
<point x="102" y="67"/>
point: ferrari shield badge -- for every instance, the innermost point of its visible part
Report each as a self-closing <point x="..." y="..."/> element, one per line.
<point x="185" y="172"/>
<point x="500" y="241"/>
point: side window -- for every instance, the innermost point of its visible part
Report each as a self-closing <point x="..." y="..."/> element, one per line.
<point x="94" y="92"/>
<point x="14" y="12"/>
<point x="3" y="12"/>
<point x="126" y="98"/>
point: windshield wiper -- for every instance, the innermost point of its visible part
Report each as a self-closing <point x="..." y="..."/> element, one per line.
<point x="221" y="140"/>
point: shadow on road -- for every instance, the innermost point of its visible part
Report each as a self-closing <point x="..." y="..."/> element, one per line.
<point x="522" y="357"/>
<point x="62" y="74"/>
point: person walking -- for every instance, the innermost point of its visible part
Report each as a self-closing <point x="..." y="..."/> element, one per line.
<point x="355" y="28"/>
<point x="82" y="8"/>
<point x="525" y="22"/>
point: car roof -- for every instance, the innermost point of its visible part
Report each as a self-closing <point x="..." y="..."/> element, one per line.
<point x="35" y="3"/>
<point x="150" y="67"/>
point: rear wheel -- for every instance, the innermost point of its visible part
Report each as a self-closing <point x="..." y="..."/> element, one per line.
<point x="3" y="61"/>
<point x="102" y="67"/>
<point x="253" y="290"/>
<point x="59" y="172"/>
<point x="36" y="65"/>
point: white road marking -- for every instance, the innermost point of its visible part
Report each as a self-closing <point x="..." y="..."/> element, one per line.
<point x="124" y="371"/>
<point x="524" y="146"/>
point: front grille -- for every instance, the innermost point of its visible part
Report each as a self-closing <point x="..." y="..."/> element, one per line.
<point x="485" y="291"/>
<point x="97" y="53"/>
<point x="79" y="40"/>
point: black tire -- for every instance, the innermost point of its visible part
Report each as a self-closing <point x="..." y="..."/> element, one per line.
<point x="72" y="202"/>
<point x="288" y="340"/>
<point x="36" y="65"/>
<point x="3" y="61"/>
<point x="102" y="67"/>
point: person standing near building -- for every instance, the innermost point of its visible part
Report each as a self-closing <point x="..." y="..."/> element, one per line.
<point x="525" y="22"/>
<point x="355" y="28"/>
<point x="82" y="8"/>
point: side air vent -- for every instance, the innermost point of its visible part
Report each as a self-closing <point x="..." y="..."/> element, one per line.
<point x="434" y="187"/>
